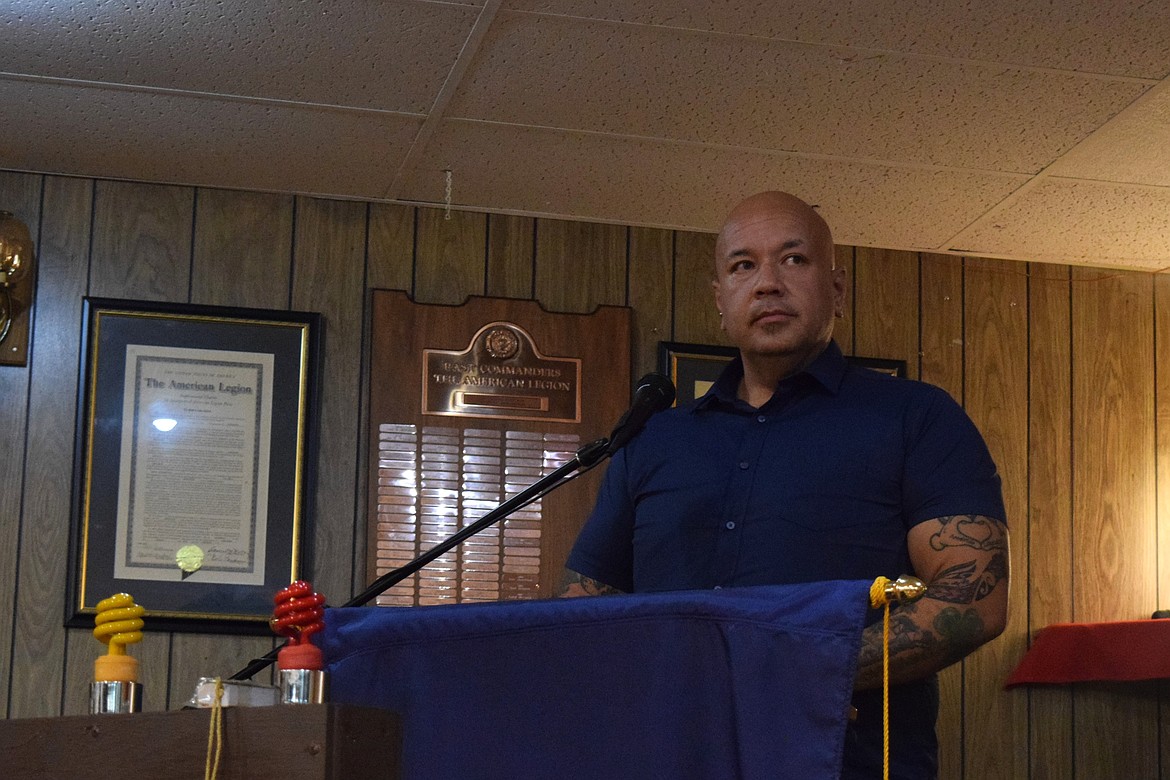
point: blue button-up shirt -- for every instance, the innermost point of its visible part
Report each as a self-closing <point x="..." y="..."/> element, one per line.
<point x="821" y="482"/>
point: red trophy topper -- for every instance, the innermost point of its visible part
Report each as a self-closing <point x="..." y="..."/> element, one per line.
<point x="299" y="614"/>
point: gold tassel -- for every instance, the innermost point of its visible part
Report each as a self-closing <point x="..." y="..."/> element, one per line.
<point x="881" y="593"/>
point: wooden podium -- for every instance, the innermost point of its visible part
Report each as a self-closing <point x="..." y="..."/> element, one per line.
<point x="291" y="742"/>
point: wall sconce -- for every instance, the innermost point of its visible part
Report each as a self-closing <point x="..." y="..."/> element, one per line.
<point x="16" y="289"/>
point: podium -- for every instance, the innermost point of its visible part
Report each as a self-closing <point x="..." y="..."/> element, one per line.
<point x="301" y="742"/>
<point x="752" y="683"/>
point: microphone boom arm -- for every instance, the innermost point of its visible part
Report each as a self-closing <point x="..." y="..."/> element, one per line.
<point x="653" y="394"/>
<point x="585" y="458"/>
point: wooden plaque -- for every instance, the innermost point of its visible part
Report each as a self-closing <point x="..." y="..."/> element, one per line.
<point x="436" y="469"/>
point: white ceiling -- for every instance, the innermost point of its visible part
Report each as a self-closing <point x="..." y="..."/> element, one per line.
<point x="1026" y="129"/>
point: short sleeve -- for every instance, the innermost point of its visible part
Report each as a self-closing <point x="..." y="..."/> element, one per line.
<point x="604" y="550"/>
<point x="948" y="468"/>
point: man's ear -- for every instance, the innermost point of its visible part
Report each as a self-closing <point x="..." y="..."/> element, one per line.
<point x="840" y="287"/>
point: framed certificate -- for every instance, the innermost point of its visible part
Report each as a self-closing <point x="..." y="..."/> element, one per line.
<point x="191" y="475"/>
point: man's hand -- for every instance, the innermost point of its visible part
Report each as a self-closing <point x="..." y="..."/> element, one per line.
<point x="963" y="560"/>
<point x="574" y="584"/>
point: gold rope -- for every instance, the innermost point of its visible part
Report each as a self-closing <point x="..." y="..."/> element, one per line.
<point x="878" y="597"/>
<point x="215" y="733"/>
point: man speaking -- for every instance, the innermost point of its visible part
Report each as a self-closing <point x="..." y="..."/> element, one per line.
<point x="799" y="467"/>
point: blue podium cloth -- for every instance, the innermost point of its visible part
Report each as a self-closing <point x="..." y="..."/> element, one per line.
<point x="741" y="682"/>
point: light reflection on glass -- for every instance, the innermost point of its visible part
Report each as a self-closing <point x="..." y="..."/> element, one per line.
<point x="165" y="424"/>
<point x="433" y="480"/>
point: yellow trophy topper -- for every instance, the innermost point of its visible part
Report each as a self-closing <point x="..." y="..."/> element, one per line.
<point x="118" y="623"/>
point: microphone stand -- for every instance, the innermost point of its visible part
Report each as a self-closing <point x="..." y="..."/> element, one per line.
<point x="586" y="457"/>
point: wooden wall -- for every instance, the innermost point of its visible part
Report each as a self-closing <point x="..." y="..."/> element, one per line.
<point x="1060" y="367"/>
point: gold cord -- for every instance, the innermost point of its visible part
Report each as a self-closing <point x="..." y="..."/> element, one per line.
<point x="215" y="734"/>
<point x="879" y="597"/>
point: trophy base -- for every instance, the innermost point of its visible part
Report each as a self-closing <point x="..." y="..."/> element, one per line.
<point x="302" y="686"/>
<point x="114" y="697"/>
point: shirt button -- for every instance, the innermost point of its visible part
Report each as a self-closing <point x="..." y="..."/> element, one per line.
<point x="730" y="525"/>
<point x="761" y="418"/>
<point x="743" y="464"/>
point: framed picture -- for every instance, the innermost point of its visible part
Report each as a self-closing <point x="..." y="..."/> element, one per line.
<point x="694" y="367"/>
<point x="192" y="468"/>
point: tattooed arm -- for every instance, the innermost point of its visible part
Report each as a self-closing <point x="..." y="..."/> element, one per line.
<point x="574" y="584"/>
<point x="963" y="560"/>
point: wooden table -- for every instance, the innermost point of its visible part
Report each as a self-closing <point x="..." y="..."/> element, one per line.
<point x="289" y="742"/>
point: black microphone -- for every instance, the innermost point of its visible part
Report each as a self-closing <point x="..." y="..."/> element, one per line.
<point x="653" y="394"/>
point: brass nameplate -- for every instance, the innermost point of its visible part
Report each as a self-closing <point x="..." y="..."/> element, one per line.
<point x="501" y="375"/>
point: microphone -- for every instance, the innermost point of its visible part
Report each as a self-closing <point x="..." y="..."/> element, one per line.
<point x="653" y="394"/>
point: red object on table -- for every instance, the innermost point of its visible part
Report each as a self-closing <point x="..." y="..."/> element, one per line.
<point x="299" y="614"/>
<point x="1081" y="652"/>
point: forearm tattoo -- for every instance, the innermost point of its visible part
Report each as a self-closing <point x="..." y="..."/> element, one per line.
<point x="934" y="635"/>
<point x="952" y="632"/>
<point x="574" y="584"/>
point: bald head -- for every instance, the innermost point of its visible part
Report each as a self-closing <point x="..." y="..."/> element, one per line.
<point x="767" y="205"/>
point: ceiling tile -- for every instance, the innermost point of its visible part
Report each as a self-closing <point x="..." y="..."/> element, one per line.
<point x="1079" y="222"/>
<point x="1041" y="33"/>
<point x="594" y="177"/>
<point x="909" y="119"/>
<point x="660" y="83"/>
<point x="183" y="139"/>
<point x="1130" y="148"/>
<point x="392" y="55"/>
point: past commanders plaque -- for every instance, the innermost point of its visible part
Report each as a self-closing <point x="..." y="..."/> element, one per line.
<point x="501" y="375"/>
<point x="469" y="405"/>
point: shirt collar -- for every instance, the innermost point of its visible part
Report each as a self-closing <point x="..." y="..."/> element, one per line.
<point x="827" y="370"/>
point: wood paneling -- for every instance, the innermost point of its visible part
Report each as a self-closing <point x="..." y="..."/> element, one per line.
<point x="1114" y="533"/>
<point x="941" y="347"/>
<point x="510" y="253"/>
<point x="651" y="286"/>
<point x="243" y="245"/>
<point x="696" y="320"/>
<point x="1050" y="544"/>
<point x="39" y="642"/>
<point x="1060" y="369"/>
<point x="449" y="262"/>
<point x="1162" y="422"/>
<point x="1113" y="447"/>
<point x="329" y="277"/>
<point x="390" y="248"/>
<point x="885" y="306"/>
<point x="995" y="391"/>
<point x="579" y="265"/>
<point x="20" y="193"/>
<point x="141" y="241"/>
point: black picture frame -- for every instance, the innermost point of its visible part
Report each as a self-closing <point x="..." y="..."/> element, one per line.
<point x="693" y="368"/>
<point x="230" y="493"/>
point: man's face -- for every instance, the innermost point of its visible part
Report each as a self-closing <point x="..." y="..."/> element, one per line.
<point x="775" y="283"/>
